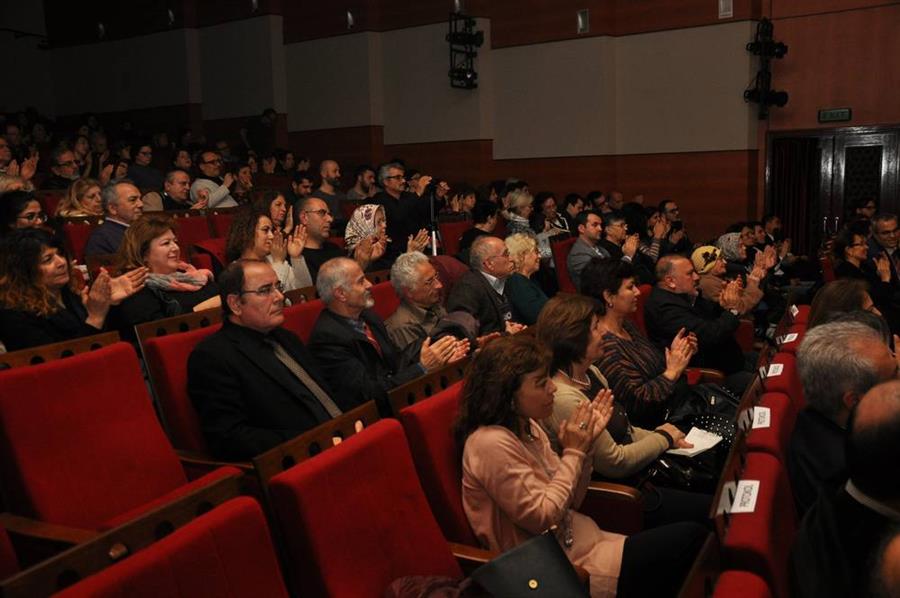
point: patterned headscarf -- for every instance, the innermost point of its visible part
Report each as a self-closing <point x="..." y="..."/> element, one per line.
<point x="730" y="244"/>
<point x="361" y="225"/>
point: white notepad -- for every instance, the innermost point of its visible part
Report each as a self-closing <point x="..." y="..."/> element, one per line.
<point x="702" y="441"/>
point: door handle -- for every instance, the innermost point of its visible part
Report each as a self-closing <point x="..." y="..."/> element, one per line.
<point x="837" y="220"/>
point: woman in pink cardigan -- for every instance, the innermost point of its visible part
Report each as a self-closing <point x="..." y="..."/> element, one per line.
<point x="515" y="486"/>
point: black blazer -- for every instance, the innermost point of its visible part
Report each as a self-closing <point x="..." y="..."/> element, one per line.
<point x="247" y="400"/>
<point x="352" y="365"/>
<point x="21" y="329"/>
<point x="473" y="294"/>
<point x="105" y="239"/>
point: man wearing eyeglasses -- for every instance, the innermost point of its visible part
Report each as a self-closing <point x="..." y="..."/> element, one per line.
<point x="406" y="212"/>
<point x="254" y="384"/>
<point x="885" y="235"/>
<point x="211" y="181"/>
<point x="64" y="169"/>
<point x="677" y="241"/>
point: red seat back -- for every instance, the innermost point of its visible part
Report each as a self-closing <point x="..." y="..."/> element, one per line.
<point x="429" y="430"/>
<point x="215" y="248"/>
<point x="741" y="583"/>
<point x="775" y="438"/>
<point x="451" y="233"/>
<point x="560" y="251"/>
<point x="86" y="445"/>
<point x="449" y="270"/>
<point x="760" y="542"/>
<point x="638" y="316"/>
<point x="301" y="318"/>
<point x="225" y="552"/>
<point x="191" y="230"/>
<point x="167" y="358"/>
<point x="76" y="235"/>
<point x="788" y="381"/>
<point x="49" y="200"/>
<point x="827" y="269"/>
<point x="386" y="299"/>
<point x="354" y="518"/>
<point x="220" y="224"/>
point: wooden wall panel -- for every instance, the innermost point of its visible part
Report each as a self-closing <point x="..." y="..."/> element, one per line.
<point x="561" y="175"/>
<point x="349" y="146"/>
<point x="456" y="161"/>
<point x="846" y="59"/>
<point x="661" y="15"/>
<point x="519" y="22"/>
<point x="794" y="8"/>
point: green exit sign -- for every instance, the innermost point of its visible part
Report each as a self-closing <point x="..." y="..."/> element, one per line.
<point x="834" y="115"/>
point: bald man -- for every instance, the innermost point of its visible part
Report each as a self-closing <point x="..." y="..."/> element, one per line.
<point x="330" y="174"/>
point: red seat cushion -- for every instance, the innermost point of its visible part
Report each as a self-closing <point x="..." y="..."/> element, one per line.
<point x="560" y="251"/>
<point x="760" y="542"/>
<point x="793" y="345"/>
<point x="429" y="429"/>
<point x="386" y="299"/>
<point x="225" y="552"/>
<point x="214" y="248"/>
<point x="741" y="584"/>
<point x="451" y="233"/>
<point x="85" y="447"/>
<point x="167" y="358"/>
<point x="191" y="230"/>
<point x="301" y="318"/>
<point x="774" y="439"/>
<point x="220" y="224"/>
<point x="354" y="518"/>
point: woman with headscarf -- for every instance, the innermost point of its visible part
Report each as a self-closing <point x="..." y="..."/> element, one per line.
<point x="366" y="237"/>
<point x="710" y="265"/>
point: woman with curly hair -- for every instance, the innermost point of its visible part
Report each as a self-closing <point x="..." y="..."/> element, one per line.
<point x="515" y="486"/>
<point x="39" y="300"/>
<point x="254" y="236"/>
<point x="82" y="199"/>
<point x="275" y="205"/>
<point x="20" y="209"/>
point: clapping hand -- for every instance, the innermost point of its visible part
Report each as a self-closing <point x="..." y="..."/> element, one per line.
<point x="585" y="424"/>
<point x="434" y="355"/>
<point x="419" y="242"/>
<point x="124" y="286"/>
<point x="296" y="242"/>
<point x="883" y="267"/>
<point x="631" y="244"/>
<point x="202" y="200"/>
<point x="97" y="299"/>
<point x="514" y="327"/>
<point x="279" y="250"/>
<point x="679" y="354"/>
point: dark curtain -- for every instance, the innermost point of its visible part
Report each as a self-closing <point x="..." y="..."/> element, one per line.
<point x="794" y="192"/>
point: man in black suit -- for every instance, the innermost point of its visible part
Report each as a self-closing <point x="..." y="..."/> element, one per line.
<point x="352" y="346"/>
<point x="255" y="385"/>
<point x="834" y="547"/>
<point x="122" y="205"/>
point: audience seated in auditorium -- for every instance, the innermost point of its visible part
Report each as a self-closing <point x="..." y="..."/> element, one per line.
<point x="417" y="285"/>
<point x="329" y="189"/>
<point x="649" y="382"/>
<point x="515" y="486"/>
<point x="365" y="238"/>
<point x="616" y="240"/>
<point x="82" y="199"/>
<point x="838" y="540"/>
<point x="364" y="183"/>
<point x="39" y="301"/>
<point x="211" y="180"/>
<point x="709" y="263"/>
<point x="243" y="183"/>
<point x="287" y="161"/>
<point x="253" y="236"/>
<point x="314" y="215"/>
<point x="838" y="363"/>
<point x="885" y="235"/>
<point x="275" y="205"/>
<point x="839" y="296"/>
<point x="481" y="291"/>
<point x="301" y="188"/>
<point x="546" y="216"/>
<point x="518" y="212"/>
<point x="407" y="212"/>
<point x="677" y="241"/>
<point x="462" y="201"/>
<point x="122" y="207"/>
<point x="484" y="221"/>
<point x="850" y="254"/>
<point x="254" y="385"/>
<point x="144" y="175"/>
<point x="587" y="246"/>
<point x="526" y="298"/>
<point x="734" y="252"/>
<point x="64" y="169"/>
<point x="173" y="287"/>
<point x="572" y="205"/>
<point x="182" y="160"/>
<point x="20" y="209"/>
<point x="175" y="194"/>
<point x="675" y="304"/>
<point x="352" y="346"/>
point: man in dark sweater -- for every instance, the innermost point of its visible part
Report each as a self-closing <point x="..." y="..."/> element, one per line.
<point x="122" y="205"/>
<point x="406" y="212"/>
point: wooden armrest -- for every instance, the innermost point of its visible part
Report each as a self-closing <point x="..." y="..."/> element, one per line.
<point x="41" y="530"/>
<point x="201" y="461"/>
<point x="470" y="557"/>
<point x="707" y="375"/>
<point x="615" y="507"/>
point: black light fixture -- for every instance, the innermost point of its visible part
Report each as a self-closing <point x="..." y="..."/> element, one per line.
<point x="463" y="40"/>
<point x="765" y="46"/>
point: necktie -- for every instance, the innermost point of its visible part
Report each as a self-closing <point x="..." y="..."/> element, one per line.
<point x="291" y="364"/>
<point x="371" y="337"/>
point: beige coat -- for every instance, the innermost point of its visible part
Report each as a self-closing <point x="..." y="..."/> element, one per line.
<point x="711" y="287"/>
<point x="611" y="459"/>
<point x="514" y="490"/>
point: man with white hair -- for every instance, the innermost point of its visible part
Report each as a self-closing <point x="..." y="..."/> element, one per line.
<point x="122" y="205"/>
<point x="417" y="284"/>
<point x="352" y="346"/>
<point x="838" y="363"/>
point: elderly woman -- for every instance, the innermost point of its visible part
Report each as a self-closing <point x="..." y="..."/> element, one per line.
<point x="525" y="296"/>
<point x="515" y="486"/>
<point x="648" y="382"/>
<point x="20" y="209"/>
<point x="173" y="286"/>
<point x="366" y="240"/>
<point x="710" y="265"/>
<point x="519" y="210"/>
<point x="82" y="199"/>
<point x="253" y="236"/>
<point x="39" y="302"/>
<point x="734" y="251"/>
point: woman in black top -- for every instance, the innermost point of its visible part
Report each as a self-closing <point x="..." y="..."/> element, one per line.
<point x="851" y="252"/>
<point x="39" y="300"/>
<point x="173" y="287"/>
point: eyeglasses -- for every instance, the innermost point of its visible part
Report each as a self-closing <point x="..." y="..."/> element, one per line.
<point x="505" y="254"/>
<point x="394" y="176"/>
<point x="266" y="290"/>
<point x="216" y="161"/>
<point x="145" y="153"/>
<point x="888" y="233"/>
<point x="66" y="163"/>
<point x="321" y="213"/>
<point x="32" y="216"/>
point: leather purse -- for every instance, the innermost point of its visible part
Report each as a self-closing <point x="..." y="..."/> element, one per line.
<point x="538" y="568"/>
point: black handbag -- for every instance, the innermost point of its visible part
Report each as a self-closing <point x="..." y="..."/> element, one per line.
<point x="534" y="569"/>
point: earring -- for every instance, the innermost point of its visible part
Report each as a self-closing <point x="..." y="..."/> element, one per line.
<point x="609" y="305"/>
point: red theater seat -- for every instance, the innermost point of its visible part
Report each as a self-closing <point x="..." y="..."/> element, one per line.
<point x="560" y="251"/>
<point x="220" y="223"/>
<point x="167" y="358"/>
<point x="451" y="232"/>
<point x="741" y="584"/>
<point x="225" y="552"/>
<point x="354" y="518"/>
<point x="215" y="249"/>
<point x="449" y="270"/>
<point x="776" y="438"/>
<point x="85" y="449"/>
<point x="788" y="381"/>
<point x="301" y="318"/>
<point x="9" y="564"/>
<point x="192" y="228"/>
<point x="76" y="235"/>
<point x="386" y="300"/>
